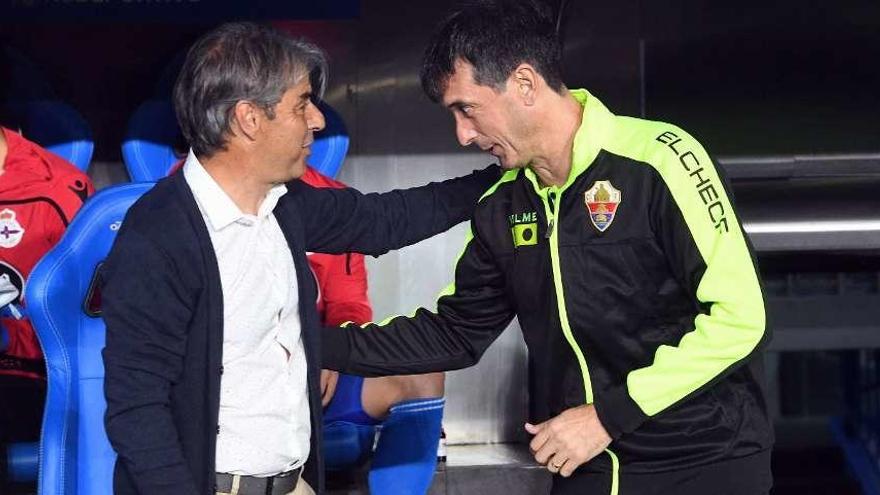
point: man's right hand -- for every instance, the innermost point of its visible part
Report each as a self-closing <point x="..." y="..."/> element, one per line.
<point x="328" y="385"/>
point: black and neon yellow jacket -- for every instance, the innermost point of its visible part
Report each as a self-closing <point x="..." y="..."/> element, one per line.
<point x="635" y="288"/>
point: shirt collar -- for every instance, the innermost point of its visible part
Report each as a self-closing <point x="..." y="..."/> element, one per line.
<point x="215" y="204"/>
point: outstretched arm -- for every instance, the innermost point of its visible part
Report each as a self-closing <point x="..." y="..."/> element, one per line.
<point x="345" y="220"/>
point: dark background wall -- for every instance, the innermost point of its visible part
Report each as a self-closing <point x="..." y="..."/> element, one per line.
<point x="748" y="78"/>
<point x="778" y="77"/>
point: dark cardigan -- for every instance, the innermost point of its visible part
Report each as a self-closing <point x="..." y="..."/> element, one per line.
<point x="163" y="307"/>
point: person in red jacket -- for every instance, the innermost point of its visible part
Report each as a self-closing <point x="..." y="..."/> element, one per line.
<point x="409" y="407"/>
<point x="39" y="194"/>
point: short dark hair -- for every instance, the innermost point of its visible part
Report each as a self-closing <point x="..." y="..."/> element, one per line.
<point x="240" y="61"/>
<point x="494" y="36"/>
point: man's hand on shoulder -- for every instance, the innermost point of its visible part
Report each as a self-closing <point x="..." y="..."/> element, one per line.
<point x="566" y="441"/>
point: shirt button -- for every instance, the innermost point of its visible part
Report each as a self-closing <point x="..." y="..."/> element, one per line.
<point x="218" y="429"/>
<point x="221" y="370"/>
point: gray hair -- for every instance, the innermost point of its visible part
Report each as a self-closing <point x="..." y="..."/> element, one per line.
<point x="239" y="61"/>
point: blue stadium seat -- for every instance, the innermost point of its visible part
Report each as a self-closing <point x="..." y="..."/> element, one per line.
<point x="76" y="457"/>
<point x="22" y="462"/>
<point x="331" y="144"/>
<point x="148" y="152"/>
<point x="55" y="126"/>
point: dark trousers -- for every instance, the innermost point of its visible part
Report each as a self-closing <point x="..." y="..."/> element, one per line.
<point x="744" y="476"/>
<point x="21" y="414"/>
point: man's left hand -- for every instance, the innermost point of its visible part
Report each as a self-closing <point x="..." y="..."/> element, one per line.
<point x="565" y="442"/>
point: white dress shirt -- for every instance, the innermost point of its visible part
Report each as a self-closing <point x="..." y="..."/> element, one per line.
<point x="264" y="406"/>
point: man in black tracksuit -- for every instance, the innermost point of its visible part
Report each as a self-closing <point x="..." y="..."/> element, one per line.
<point x="615" y="242"/>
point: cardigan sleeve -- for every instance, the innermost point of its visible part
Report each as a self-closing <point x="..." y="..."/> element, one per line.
<point x="345" y="220"/>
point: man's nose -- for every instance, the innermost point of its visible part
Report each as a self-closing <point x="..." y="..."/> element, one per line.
<point x="314" y="118"/>
<point x="465" y="132"/>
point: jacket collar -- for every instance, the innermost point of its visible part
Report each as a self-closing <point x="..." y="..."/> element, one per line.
<point x="596" y="126"/>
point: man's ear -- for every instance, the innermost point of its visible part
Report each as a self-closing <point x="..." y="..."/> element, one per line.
<point x="247" y="119"/>
<point x="524" y="81"/>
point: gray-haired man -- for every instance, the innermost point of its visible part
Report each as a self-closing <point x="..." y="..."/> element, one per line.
<point x="212" y="332"/>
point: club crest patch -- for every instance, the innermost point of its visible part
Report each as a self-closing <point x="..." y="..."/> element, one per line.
<point x="602" y="201"/>
<point x="11" y="231"/>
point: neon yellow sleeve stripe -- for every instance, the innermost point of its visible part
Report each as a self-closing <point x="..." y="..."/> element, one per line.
<point x="735" y="323"/>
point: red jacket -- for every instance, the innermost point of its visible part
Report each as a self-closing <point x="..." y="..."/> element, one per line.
<point x="342" y="278"/>
<point x="39" y="194"/>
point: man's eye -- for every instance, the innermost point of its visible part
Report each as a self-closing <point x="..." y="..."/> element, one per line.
<point x="467" y="109"/>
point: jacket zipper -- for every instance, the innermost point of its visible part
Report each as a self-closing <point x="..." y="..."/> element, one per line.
<point x="552" y="200"/>
<point x="552" y="213"/>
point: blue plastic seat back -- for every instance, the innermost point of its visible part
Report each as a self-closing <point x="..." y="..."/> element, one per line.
<point x="75" y="455"/>
<point x="331" y="144"/>
<point x="148" y="148"/>
<point x="55" y="126"/>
